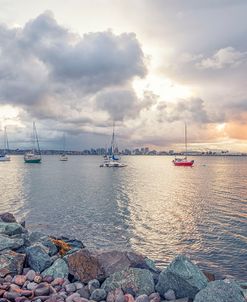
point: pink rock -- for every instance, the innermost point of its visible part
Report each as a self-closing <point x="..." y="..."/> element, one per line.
<point x="2" y="291"/>
<point x="19" y="279"/>
<point x="129" y="298"/>
<point x="154" y="297"/>
<point x="57" y="281"/>
<point x="110" y="297"/>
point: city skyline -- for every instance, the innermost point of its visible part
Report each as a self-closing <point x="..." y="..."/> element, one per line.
<point x="147" y="65"/>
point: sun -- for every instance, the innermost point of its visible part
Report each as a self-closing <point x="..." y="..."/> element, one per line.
<point x="163" y="87"/>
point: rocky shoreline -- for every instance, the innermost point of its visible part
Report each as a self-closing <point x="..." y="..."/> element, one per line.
<point x="40" y="268"/>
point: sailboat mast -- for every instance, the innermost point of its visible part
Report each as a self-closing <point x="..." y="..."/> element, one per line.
<point x="113" y="139"/>
<point x="185" y="137"/>
<point x="64" y="142"/>
<point x="36" y="137"/>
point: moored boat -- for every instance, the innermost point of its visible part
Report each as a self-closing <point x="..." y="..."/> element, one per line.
<point x="33" y="156"/>
<point x="4" y="155"/>
<point x="63" y="156"/>
<point x="184" y="162"/>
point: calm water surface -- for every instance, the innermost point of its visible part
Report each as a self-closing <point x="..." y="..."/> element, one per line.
<point x="150" y="206"/>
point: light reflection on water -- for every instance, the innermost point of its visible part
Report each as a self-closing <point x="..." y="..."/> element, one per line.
<point x="150" y="206"/>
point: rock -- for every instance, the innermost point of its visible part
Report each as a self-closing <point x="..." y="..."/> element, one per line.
<point x="9" y="243"/>
<point x="84" y="266"/>
<point x="31" y="285"/>
<point x="209" y="276"/>
<point x="73" y="243"/>
<point x="30" y="275"/>
<point x="70" y="288"/>
<point x="43" y="289"/>
<point x="183" y="277"/>
<point x="11" y="296"/>
<point x="98" y="295"/>
<point x="219" y="291"/>
<point x="37" y="258"/>
<point x="84" y="293"/>
<point x="38" y="237"/>
<point x="38" y="279"/>
<point x="59" y="269"/>
<point x="140" y="281"/>
<point x="92" y="285"/>
<point x="19" y="279"/>
<point x="72" y="297"/>
<point x="170" y="295"/>
<point x="142" y="298"/>
<point x="8" y="278"/>
<point x="11" y="229"/>
<point x="128" y="298"/>
<point x="25" y="293"/>
<point x="7" y="217"/>
<point x="11" y="263"/>
<point x="155" y="297"/>
<point x="57" y="281"/>
<point x="78" y="285"/>
<point x="48" y="278"/>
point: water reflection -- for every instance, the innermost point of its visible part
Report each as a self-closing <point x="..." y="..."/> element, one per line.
<point x="150" y="206"/>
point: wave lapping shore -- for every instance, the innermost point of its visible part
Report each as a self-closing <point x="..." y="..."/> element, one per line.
<point x="40" y="268"/>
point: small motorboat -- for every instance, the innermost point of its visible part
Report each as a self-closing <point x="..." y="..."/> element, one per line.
<point x="63" y="157"/>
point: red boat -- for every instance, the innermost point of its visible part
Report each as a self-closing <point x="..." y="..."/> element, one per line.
<point x="183" y="162"/>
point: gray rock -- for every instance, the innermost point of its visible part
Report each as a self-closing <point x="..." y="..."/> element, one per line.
<point x="7" y="242"/>
<point x="31" y="285"/>
<point x="59" y="269"/>
<point x="37" y="258"/>
<point x="98" y="295"/>
<point x="11" y="229"/>
<point x="7" y="217"/>
<point x="84" y="292"/>
<point x="142" y="298"/>
<point x="11" y="263"/>
<point x="138" y="281"/>
<point x="219" y="291"/>
<point x="170" y="295"/>
<point x="30" y="275"/>
<point x="93" y="284"/>
<point x="78" y="285"/>
<point x="38" y="237"/>
<point x="70" y="288"/>
<point x="72" y="297"/>
<point x="183" y="277"/>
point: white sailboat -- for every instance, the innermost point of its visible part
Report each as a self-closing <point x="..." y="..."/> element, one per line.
<point x="4" y="155"/>
<point x="112" y="160"/>
<point x="63" y="156"/>
<point x="33" y="156"/>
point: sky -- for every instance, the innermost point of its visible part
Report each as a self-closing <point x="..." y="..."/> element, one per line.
<point x="148" y="65"/>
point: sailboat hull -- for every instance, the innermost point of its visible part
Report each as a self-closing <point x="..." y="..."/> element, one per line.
<point x="183" y="163"/>
<point x="4" y="158"/>
<point x="32" y="161"/>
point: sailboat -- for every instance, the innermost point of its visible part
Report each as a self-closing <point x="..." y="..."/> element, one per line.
<point x="112" y="160"/>
<point x="63" y="156"/>
<point x="4" y="156"/>
<point x="184" y="161"/>
<point x="34" y="156"/>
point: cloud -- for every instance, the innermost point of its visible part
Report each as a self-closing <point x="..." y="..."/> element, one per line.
<point x="224" y="57"/>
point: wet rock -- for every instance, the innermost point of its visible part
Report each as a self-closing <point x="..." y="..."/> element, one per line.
<point x="7" y="217"/>
<point x="38" y="237"/>
<point x="98" y="295"/>
<point x="209" y="276"/>
<point x="37" y="258"/>
<point x="140" y="281"/>
<point x="19" y="279"/>
<point x="70" y="288"/>
<point x="11" y="263"/>
<point x="219" y="291"/>
<point x="11" y="229"/>
<point x="42" y="289"/>
<point x="170" y="295"/>
<point x="183" y="277"/>
<point x="73" y="243"/>
<point x="7" y="242"/>
<point x="142" y="298"/>
<point x="84" y="292"/>
<point x="30" y="275"/>
<point x="93" y="284"/>
<point x="59" y="269"/>
<point x="84" y="266"/>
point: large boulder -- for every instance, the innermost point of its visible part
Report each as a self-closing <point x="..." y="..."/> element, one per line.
<point x="11" y="263"/>
<point x="11" y="229"/>
<point x="220" y="291"/>
<point x="9" y="243"/>
<point x="182" y="276"/>
<point x="86" y="264"/>
<point x="59" y="269"/>
<point x="38" y="237"/>
<point x="7" y="217"/>
<point x="132" y="280"/>
<point x="38" y="258"/>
